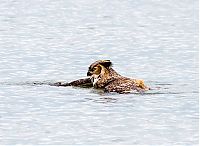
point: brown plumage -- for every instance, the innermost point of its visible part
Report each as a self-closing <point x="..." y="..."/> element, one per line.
<point x="103" y="76"/>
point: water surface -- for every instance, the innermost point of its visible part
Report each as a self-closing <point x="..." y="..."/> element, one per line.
<point x="155" y="40"/>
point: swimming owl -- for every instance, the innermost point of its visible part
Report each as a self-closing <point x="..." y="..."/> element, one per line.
<point x="101" y="75"/>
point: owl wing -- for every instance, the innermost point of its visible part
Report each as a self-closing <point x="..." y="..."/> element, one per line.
<point x="80" y="83"/>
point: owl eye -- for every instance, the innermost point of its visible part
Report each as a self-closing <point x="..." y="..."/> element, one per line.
<point x="93" y="69"/>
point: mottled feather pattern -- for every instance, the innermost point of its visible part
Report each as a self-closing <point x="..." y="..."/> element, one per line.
<point x="109" y="80"/>
<point x="101" y="75"/>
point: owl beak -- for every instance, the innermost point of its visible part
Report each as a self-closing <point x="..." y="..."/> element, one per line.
<point x="89" y="73"/>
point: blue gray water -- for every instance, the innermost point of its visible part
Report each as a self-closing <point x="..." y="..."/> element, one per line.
<point x="154" y="40"/>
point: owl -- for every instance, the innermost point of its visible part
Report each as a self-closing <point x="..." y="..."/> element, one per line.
<point x="101" y="75"/>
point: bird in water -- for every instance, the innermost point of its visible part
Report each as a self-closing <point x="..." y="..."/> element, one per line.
<point x="101" y="75"/>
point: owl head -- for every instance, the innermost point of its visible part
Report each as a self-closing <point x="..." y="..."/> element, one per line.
<point x="99" y="67"/>
<point x="101" y="72"/>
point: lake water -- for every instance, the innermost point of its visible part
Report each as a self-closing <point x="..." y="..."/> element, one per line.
<point x="49" y="41"/>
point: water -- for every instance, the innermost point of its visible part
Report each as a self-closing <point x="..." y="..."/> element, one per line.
<point x="156" y="40"/>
